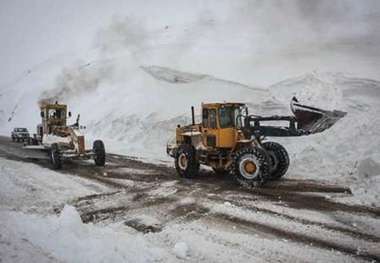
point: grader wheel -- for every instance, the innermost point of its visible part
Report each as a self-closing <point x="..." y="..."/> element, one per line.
<point x="100" y="153"/>
<point x="55" y="157"/>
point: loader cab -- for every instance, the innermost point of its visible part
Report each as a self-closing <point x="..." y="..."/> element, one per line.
<point x="53" y="115"/>
<point x="221" y="123"/>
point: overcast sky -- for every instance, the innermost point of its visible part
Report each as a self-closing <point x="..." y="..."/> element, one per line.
<point x="32" y="32"/>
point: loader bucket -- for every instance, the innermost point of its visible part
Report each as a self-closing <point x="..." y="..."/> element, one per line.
<point x="314" y="120"/>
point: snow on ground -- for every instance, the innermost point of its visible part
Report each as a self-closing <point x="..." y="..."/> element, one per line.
<point x="215" y="241"/>
<point x="29" y="188"/>
<point x="65" y="238"/>
<point x="30" y="232"/>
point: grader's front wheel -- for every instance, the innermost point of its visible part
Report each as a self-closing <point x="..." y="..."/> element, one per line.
<point x="55" y="157"/>
<point x="100" y="153"/>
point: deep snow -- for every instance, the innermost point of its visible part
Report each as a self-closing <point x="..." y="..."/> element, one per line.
<point x="73" y="240"/>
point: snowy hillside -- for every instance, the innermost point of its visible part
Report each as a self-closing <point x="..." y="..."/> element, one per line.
<point x="136" y="113"/>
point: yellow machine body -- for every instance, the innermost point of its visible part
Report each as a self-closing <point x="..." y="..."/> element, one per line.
<point x="53" y="115"/>
<point x="218" y="133"/>
<point x="218" y="127"/>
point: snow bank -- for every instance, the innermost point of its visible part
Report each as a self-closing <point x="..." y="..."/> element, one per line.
<point x="181" y="250"/>
<point x="31" y="188"/>
<point x="66" y="239"/>
<point x="348" y="151"/>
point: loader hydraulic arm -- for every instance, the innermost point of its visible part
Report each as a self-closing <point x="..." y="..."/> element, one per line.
<point x="253" y="126"/>
<point x="306" y="120"/>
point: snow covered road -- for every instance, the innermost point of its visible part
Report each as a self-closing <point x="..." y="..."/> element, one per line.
<point x="133" y="211"/>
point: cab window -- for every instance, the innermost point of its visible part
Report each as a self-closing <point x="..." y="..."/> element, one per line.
<point x="205" y="118"/>
<point x="227" y="117"/>
<point x="212" y="118"/>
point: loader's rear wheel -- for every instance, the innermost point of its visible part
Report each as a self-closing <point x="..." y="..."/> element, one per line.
<point x="100" y="153"/>
<point x="186" y="163"/>
<point x="279" y="159"/>
<point x="55" y="157"/>
<point x="251" y="166"/>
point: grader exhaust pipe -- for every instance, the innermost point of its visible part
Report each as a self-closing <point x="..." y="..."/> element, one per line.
<point x="192" y="115"/>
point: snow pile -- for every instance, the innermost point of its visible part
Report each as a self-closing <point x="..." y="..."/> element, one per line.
<point x="70" y="218"/>
<point x="66" y="239"/>
<point x="348" y="151"/>
<point x="181" y="250"/>
<point x="314" y="89"/>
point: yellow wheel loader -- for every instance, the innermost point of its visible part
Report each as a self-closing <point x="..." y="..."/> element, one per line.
<point x="61" y="141"/>
<point x="229" y="140"/>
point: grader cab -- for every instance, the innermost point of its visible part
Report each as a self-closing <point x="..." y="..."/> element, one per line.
<point x="229" y="140"/>
<point x="62" y="141"/>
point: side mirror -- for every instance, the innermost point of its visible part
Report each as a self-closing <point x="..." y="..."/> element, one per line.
<point x="42" y="114"/>
<point x="69" y="114"/>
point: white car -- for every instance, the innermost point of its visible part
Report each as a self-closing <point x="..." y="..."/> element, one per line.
<point x="20" y="134"/>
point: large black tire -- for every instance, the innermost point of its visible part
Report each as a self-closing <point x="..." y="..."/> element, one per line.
<point x="279" y="159"/>
<point x="13" y="139"/>
<point x="251" y="166"/>
<point x="186" y="163"/>
<point x="55" y="157"/>
<point x="100" y="153"/>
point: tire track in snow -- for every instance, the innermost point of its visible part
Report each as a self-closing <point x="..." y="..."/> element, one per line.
<point x="144" y="193"/>
<point x="297" y="237"/>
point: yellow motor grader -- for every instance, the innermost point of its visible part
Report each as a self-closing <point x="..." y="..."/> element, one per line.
<point x="62" y="141"/>
<point x="229" y="140"/>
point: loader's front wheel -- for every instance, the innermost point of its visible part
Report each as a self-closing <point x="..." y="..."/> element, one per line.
<point x="100" y="153"/>
<point x="251" y="166"/>
<point x="186" y="163"/>
<point x="55" y="157"/>
<point x="279" y="159"/>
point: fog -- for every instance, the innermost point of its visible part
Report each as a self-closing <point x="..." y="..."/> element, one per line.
<point x="278" y="38"/>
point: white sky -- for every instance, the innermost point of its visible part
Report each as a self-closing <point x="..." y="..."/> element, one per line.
<point x="264" y="32"/>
